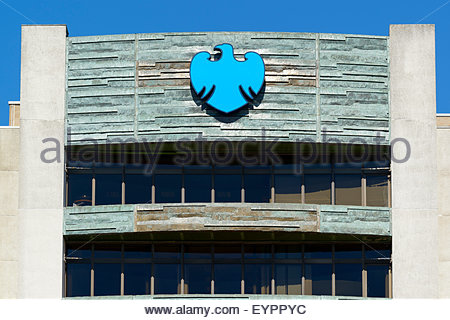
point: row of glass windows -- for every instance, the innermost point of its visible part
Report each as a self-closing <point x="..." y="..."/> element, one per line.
<point x="324" y="184"/>
<point x="228" y="268"/>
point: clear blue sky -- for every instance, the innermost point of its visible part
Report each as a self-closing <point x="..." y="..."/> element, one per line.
<point x="96" y="17"/>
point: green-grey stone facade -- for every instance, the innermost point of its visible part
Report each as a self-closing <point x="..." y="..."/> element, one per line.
<point x="317" y="87"/>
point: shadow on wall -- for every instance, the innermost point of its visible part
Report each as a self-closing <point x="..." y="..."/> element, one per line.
<point x="232" y="116"/>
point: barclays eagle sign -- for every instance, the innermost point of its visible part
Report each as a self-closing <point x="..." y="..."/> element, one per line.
<point x="227" y="84"/>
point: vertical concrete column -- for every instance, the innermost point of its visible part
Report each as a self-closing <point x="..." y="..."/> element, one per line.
<point x="443" y="141"/>
<point x="414" y="182"/>
<point x="41" y="184"/>
<point x="9" y="208"/>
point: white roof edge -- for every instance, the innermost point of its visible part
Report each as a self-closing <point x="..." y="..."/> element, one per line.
<point x="442" y="114"/>
<point x="13" y="102"/>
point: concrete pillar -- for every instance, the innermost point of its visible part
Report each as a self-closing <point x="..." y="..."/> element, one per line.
<point x="443" y="141"/>
<point x="41" y="189"/>
<point x="9" y="200"/>
<point x="414" y="182"/>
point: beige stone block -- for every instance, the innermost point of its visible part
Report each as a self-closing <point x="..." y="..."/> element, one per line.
<point x="444" y="279"/>
<point x="444" y="238"/>
<point x="8" y="238"/>
<point x="9" y="194"/>
<point x="9" y="149"/>
<point x="8" y="279"/>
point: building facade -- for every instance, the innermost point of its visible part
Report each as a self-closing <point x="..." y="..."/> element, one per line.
<point x="122" y="179"/>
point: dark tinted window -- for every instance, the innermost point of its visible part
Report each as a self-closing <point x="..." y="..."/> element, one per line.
<point x="79" y="251"/>
<point x="197" y="251"/>
<point x="288" y="188"/>
<point x="227" y="251"/>
<point x="318" y="188"/>
<point x="257" y="251"/>
<point x="168" y="188"/>
<point x="318" y="279"/>
<point x="108" y="189"/>
<point x="377" y="280"/>
<point x="227" y="278"/>
<point x="288" y="251"/>
<point x="167" y="251"/>
<point x="107" y="279"/>
<point x="348" y="189"/>
<point x="227" y="187"/>
<point x="347" y="251"/>
<point x="317" y="251"/>
<point x="107" y="251"/>
<point x="198" y="187"/>
<point x="377" y="190"/>
<point x="167" y="278"/>
<point x="197" y="278"/>
<point x="257" y="187"/>
<point x="138" y="188"/>
<point x="78" y="279"/>
<point x="288" y="278"/>
<point x="378" y="251"/>
<point x="137" y="278"/>
<point x="136" y="251"/>
<point x="80" y="189"/>
<point x="348" y="279"/>
<point x="257" y="278"/>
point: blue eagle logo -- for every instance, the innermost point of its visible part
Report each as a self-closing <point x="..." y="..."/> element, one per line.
<point x="227" y="84"/>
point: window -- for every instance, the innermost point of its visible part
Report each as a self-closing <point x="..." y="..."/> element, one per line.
<point x="167" y="188"/>
<point x="288" y="188"/>
<point x="250" y="268"/>
<point x="377" y="190"/>
<point x="353" y="185"/>
<point x="318" y="251"/>
<point x="107" y="279"/>
<point x="228" y="185"/>
<point x="78" y="279"/>
<point x="167" y="278"/>
<point x="138" y="188"/>
<point x="80" y="189"/>
<point x="198" y="184"/>
<point x="288" y="278"/>
<point x="348" y="251"/>
<point x="377" y="281"/>
<point x="227" y="269"/>
<point x="257" y="185"/>
<point x="257" y="278"/>
<point x="318" y="269"/>
<point x="197" y="278"/>
<point x="257" y="252"/>
<point x="197" y="269"/>
<point x="318" y="188"/>
<point x="348" y="189"/>
<point x="318" y="279"/>
<point x="288" y="251"/>
<point x="227" y="278"/>
<point x="108" y="189"/>
<point x="137" y="269"/>
<point x="348" y="279"/>
<point x="204" y="180"/>
<point x="137" y="278"/>
<point x="167" y="268"/>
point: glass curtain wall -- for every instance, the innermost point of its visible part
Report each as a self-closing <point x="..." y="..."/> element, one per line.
<point x="336" y="269"/>
<point x="329" y="184"/>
